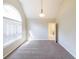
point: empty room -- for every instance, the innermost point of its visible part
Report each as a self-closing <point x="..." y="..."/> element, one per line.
<point x="39" y="29"/>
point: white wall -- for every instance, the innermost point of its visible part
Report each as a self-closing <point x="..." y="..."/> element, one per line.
<point x="67" y="26"/>
<point x="39" y="28"/>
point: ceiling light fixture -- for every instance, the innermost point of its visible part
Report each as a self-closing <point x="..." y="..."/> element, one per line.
<point x="42" y="13"/>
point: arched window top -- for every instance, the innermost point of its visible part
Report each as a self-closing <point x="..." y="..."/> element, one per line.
<point x="11" y="12"/>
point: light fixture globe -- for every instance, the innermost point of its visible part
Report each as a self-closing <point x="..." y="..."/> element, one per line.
<point x="42" y="15"/>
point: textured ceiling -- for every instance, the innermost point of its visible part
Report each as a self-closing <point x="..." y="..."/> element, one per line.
<point x="32" y="8"/>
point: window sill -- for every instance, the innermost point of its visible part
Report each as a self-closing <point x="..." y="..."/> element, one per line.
<point x="11" y="46"/>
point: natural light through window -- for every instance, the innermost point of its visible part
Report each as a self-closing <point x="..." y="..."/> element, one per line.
<point x="11" y="12"/>
<point x="12" y="24"/>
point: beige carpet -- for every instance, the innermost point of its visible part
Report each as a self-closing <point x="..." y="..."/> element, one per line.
<point x="40" y="49"/>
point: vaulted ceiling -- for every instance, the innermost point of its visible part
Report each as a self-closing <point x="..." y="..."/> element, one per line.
<point x="32" y="8"/>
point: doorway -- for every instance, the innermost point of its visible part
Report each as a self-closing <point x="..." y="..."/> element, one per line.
<point x="52" y="31"/>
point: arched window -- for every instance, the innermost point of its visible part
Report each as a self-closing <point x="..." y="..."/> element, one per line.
<point x="12" y="24"/>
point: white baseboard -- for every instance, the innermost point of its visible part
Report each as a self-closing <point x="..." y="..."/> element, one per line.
<point x="63" y="45"/>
